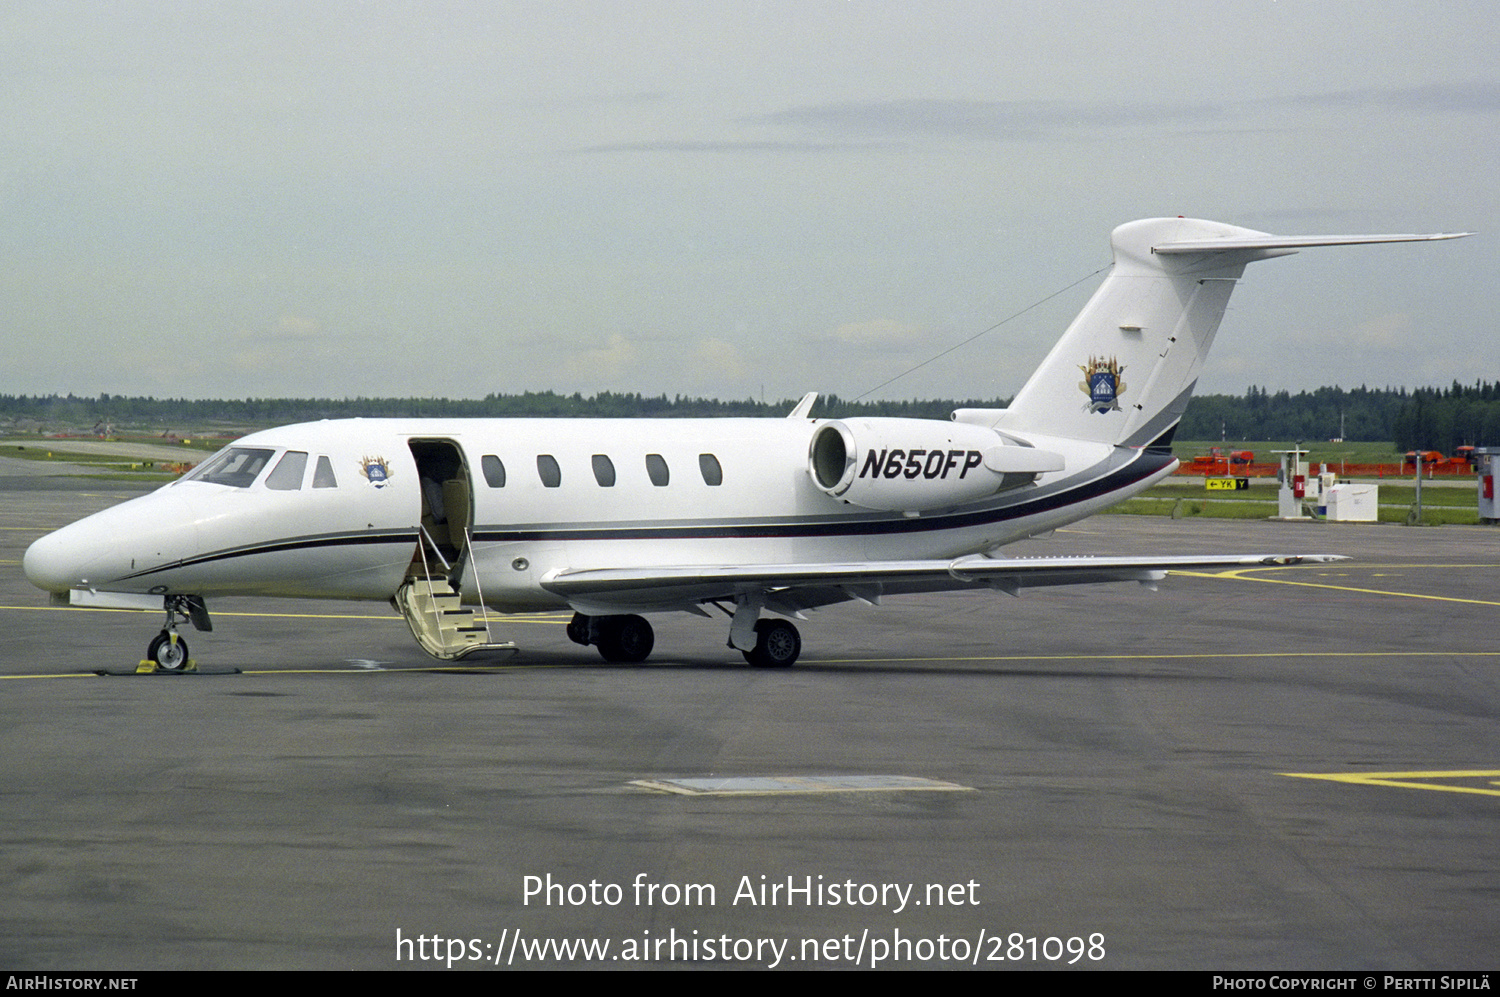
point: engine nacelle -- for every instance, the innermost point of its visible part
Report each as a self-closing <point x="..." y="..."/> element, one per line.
<point x="914" y="465"/>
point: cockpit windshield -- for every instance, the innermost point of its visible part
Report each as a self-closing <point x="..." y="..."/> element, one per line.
<point x="233" y="466"/>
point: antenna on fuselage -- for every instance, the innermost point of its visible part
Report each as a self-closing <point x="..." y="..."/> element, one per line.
<point x="803" y="409"/>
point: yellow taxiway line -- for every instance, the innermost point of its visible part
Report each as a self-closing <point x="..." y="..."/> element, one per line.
<point x="452" y="667"/>
<point x="551" y="618"/>
<point x="1410" y="780"/>
<point x="1190" y="656"/>
<point x="1242" y="575"/>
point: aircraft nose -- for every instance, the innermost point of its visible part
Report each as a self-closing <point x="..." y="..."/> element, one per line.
<point x="56" y="562"/>
<point x="109" y="545"/>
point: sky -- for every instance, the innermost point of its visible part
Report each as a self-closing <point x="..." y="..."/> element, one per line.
<point x="722" y="198"/>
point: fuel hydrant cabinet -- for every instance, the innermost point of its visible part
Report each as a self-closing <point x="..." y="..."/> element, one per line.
<point x="1486" y="466"/>
<point x="1353" y="503"/>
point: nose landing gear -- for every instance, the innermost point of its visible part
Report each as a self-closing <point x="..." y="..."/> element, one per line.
<point x="168" y="652"/>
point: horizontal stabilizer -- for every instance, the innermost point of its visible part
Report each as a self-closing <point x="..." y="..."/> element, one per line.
<point x="1141" y="341"/>
<point x="1293" y="242"/>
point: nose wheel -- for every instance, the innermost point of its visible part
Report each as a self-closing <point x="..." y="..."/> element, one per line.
<point x="168" y="651"/>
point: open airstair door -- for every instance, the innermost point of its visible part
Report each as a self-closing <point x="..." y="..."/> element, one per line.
<point x="430" y="598"/>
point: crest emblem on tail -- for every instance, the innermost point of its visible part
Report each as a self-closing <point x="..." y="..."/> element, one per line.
<point x="1102" y="383"/>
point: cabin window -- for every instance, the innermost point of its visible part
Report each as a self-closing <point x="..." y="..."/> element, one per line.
<point x="287" y="475"/>
<point x="713" y="474"/>
<point x="656" y="467"/>
<point x="494" y="471"/>
<point x="546" y="466"/>
<point x="236" y="467"/>
<point x="604" y="471"/>
<point x="323" y="474"/>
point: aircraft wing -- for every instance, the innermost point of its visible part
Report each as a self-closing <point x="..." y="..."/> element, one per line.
<point x="789" y="588"/>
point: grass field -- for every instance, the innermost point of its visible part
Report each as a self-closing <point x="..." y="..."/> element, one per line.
<point x="108" y="465"/>
<point x="1441" y="503"/>
<point x="1322" y="451"/>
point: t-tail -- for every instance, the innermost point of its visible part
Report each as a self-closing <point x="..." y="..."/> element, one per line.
<point x="1123" y="372"/>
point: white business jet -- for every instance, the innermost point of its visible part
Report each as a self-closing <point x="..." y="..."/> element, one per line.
<point x="618" y="518"/>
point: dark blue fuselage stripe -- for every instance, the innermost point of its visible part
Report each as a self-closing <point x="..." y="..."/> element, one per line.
<point x="1143" y="466"/>
<point x="281" y="546"/>
<point x="1137" y="470"/>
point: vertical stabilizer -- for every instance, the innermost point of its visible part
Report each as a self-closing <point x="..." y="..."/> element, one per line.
<point x="1123" y="372"/>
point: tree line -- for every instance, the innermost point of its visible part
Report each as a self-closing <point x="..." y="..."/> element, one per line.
<point x="1416" y="419"/>
<point x="176" y="413"/>
<point x="1421" y="418"/>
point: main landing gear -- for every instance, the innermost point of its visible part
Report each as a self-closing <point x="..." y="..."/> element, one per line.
<point x="168" y="652"/>
<point x="629" y="639"/>
<point x="625" y="639"/>
<point x="777" y="645"/>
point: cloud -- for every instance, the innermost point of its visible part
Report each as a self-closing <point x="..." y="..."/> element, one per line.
<point x="296" y="327"/>
<point x="1471" y="97"/>
<point x="882" y="332"/>
<point x="981" y="119"/>
<point x="717" y="361"/>
<point x="606" y="363"/>
<point x="1392" y="331"/>
<point x="997" y="120"/>
<point x="272" y="349"/>
<point x="714" y="146"/>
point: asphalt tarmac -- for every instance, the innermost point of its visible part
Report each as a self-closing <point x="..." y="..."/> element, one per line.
<point x="1294" y="769"/>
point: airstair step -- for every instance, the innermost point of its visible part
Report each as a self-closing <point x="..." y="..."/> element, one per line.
<point x="440" y="623"/>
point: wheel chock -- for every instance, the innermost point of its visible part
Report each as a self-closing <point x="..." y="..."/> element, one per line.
<point x="149" y="667"/>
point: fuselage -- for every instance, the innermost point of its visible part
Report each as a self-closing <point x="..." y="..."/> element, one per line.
<point x="334" y="509"/>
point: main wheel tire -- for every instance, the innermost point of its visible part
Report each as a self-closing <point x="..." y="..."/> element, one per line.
<point x="777" y="645"/>
<point x="578" y="629"/>
<point x="168" y="654"/>
<point x="626" y="639"/>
